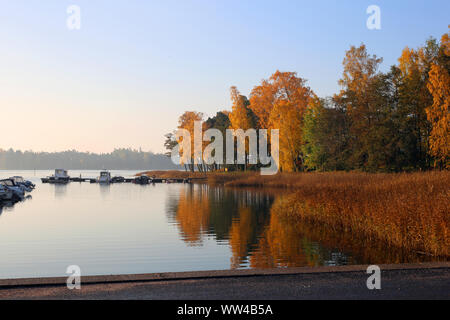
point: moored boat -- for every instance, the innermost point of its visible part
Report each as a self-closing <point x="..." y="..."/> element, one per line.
<point x="5" y="193"/>
<point x="118" y="179"/>
<point x="18" y="193"/>
<point x="142" y="180"/>
<point x="105" y="177"/>
<point x="60" y="177"/>
<point x="28" y="186"/>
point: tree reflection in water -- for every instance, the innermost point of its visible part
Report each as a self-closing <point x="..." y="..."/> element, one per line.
<point x="260" y="236"/>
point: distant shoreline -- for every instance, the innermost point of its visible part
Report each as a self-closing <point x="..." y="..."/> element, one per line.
<point x="119" y="159"/>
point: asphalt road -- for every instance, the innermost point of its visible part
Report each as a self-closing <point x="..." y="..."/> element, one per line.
<point x="428" y="283"/>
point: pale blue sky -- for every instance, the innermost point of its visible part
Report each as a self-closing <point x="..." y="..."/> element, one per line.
<point x="135" y="65"/>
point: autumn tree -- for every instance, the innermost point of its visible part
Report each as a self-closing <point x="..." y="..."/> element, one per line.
<point x="414" y="98"/>
<point x="325" y="135"/>
<point x="288" y="119"/>
<point x="186" y="121"/>
<point x="281" y="86"/>
<point x="313" y="151"/>
<point x="280" y="103"/>
<point x="221" y="122"/>
<point x="380" y="121"/>
<point x="360" y="71"/>
<point x="241" y="117"/>
<point x="438" y="112"/>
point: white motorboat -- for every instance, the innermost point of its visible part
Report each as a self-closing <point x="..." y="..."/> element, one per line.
<point x="18" y="192"/>
<point x="6" y="194"/>
<point x="60" y="176"/>
<point x="26" y="185"/>
<point x="105" y="177"/>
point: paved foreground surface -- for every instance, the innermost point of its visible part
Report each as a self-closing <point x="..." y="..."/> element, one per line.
<point x="409" y="283"/>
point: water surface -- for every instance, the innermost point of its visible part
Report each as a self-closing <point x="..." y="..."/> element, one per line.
<point x="127" y="228"/>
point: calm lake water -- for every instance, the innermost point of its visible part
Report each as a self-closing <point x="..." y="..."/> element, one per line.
<point x="127" y="228"/>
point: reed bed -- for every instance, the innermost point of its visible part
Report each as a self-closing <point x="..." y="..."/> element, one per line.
<point x="409" y="211"/>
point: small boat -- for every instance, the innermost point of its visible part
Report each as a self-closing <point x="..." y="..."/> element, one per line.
<point x="5" y="193"/>
<point x="105" y="177"/>
<point x="17" y="191"/>
<point x="142" y="180"/>
<point x="28" y="186"/>
<point x="118" y="179"/>
<point x="60" y="177"/>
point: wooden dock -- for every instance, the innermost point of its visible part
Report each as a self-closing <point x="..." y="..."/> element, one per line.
<point x="92" y="180"/>
<point x="137" y="180"/>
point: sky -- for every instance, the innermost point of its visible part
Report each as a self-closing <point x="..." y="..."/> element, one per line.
<point x="123" y="79"/>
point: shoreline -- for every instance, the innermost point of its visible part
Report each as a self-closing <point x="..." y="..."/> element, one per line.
<point x="6" y="284"/>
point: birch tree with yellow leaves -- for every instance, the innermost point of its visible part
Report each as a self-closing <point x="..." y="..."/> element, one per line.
<point x="438" y="112"/>
<point x="280" y="103"/>
<point x="186" y="122"/>
<point x="286" y="117"/>
<point x="281" y="86"/>
<point x="241" y="118"/>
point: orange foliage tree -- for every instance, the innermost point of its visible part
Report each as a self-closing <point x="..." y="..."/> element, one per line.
<point x="186" y="121"/>
<point x="241" y="116"/>
<point x="280" y="103"/>
<point x="281" y="86"/>
<point x="288" y="119"/>
<point x="438" y="112"/>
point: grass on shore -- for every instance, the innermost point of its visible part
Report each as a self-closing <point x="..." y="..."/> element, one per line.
<point x="407" y="210"/>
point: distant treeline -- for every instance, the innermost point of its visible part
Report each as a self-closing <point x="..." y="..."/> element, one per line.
<point x="118" y="159"/>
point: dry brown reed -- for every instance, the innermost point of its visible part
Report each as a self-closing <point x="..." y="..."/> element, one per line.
<point x="409" y="211"/>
